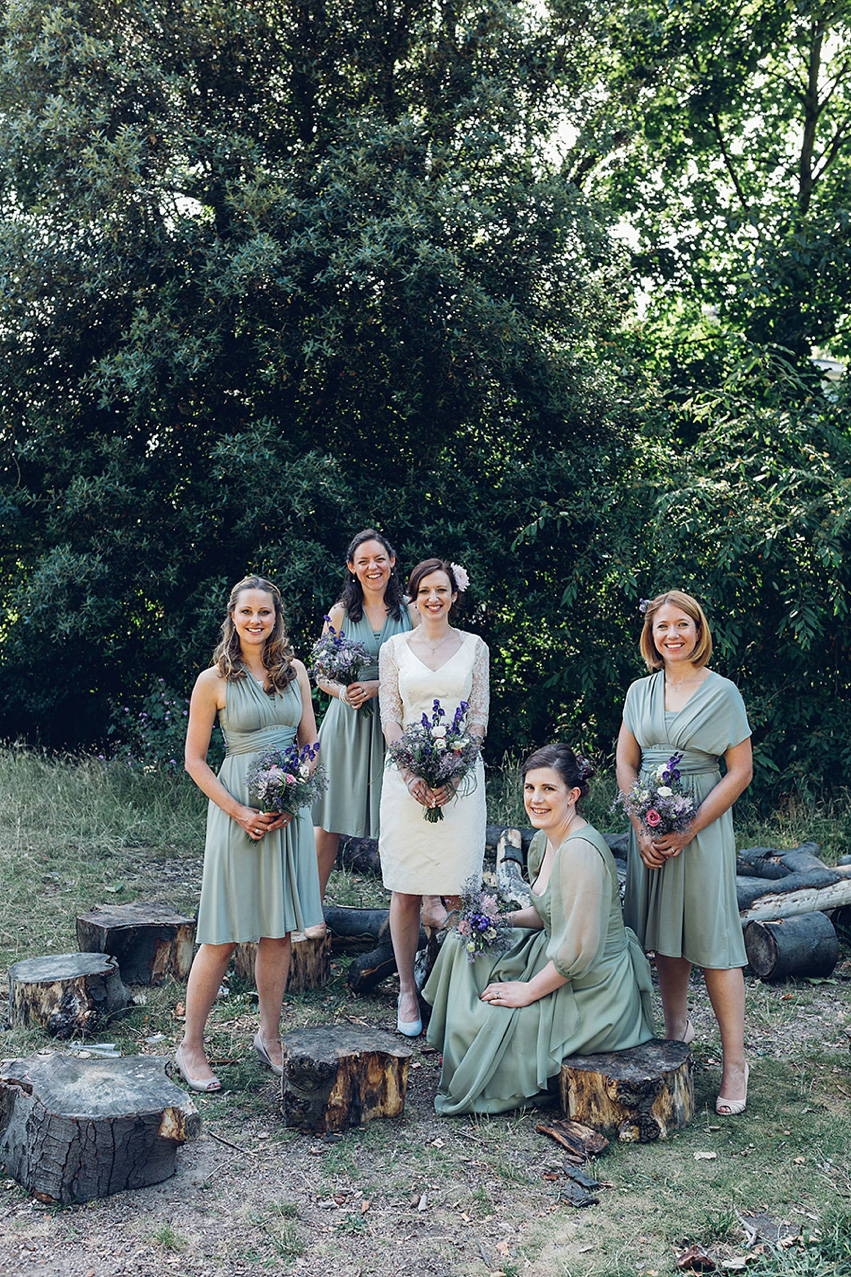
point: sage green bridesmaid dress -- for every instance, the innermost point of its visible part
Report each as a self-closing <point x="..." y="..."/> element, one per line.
<point x="351" y="746"/>
<point x="688" y="908"/>
<point x="269" y="887"/>
<point x="499" y="1058"/>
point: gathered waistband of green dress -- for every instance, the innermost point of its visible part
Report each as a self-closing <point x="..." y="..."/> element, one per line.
<point x="257" y="741"/>
<point x="693" y="762"/>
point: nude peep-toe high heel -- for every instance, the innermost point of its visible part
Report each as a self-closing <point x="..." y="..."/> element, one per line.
<point x="194" y="1083"/>
<point x="731" y="1108"/>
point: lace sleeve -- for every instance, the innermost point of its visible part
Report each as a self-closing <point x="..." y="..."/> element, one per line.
<point x="389" y="700"/>
<point x="480" y="692"/>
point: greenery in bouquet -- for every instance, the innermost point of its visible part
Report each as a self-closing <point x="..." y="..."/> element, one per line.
<point x="483" y="929"/>
<point x="439" y="753"/>
<point x="338" y="659"/>
<point x="660" y="803"/>
<point x="281" y="780"/>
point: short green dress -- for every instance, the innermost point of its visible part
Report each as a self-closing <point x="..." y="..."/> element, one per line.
<point x="499" y="1058"/>
<point x="270" y="887"/>
<point x="688" y="908"/>
<point x="351" y="746"/>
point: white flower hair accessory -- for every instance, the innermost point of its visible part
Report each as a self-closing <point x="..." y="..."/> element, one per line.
<point x="462" y="580"/>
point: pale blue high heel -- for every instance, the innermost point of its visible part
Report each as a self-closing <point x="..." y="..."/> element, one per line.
<point x="410" y="1028"/>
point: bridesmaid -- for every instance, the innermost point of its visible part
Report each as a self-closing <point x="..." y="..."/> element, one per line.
<point x="372" y="608"/>
<point x="681" y="887"/>
<point x="259" y="880"/>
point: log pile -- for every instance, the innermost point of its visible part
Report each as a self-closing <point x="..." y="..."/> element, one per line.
<point x="73" y="1129"/>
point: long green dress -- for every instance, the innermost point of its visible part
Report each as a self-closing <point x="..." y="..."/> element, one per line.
<point x="498" y="1058"/>
<point x="269" y="887"/>
<point x="351" y="746"/>
<point x="688" y="908"/>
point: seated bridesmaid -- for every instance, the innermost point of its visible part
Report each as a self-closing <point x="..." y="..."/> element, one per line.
<point x="574" y="981"/>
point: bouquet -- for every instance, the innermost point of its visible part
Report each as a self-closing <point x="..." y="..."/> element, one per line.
<point x="481" y="926"/>
<point x="281" y="780"/>
<point x="440" y="754"/>
<point x="338" y="659"/>
<point x="661" y="804"/>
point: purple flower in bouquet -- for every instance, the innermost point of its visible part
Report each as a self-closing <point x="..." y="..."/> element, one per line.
<point x="338" y="659"/>
<point x="660" y="803"/>
<point x="481" y="926"/>
<point x="282" y="780"/>
<point x="439" y="753"/>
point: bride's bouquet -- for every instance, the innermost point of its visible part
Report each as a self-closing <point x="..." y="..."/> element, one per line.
<point x="280" y="780"/>
<point x="483" y="929"/>
<point x="338" y="659"/>
<point x="439" y="753"/>
<point x="661" y="804"/>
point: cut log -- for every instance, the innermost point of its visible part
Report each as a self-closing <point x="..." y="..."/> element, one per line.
<point x="310" y="962"/>
<point x="800" y="892"/>
<point x="640" y="1094"/>
<point x="802" y="946"/>
<point x="510" y="862"/>
<point x="66" y="993"/>
<point x="73" y="1129"/>
<point x="337" y="1076"/>
<point x="355" y="930"/>
<point x="367" y="971"/>
<point x="150" y="941"/>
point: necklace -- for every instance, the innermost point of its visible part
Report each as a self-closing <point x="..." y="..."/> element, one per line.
<point x="432" y="647"/>
<point x="682" y="682"/>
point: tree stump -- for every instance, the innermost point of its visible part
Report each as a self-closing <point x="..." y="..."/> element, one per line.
<point x="802" y="946"/>
<point x="66" y="993"/>
<point x="337" y="1076"/>
<point x="639" y="1094"/>
<point x="310" y="962"/>
<point x="150" y="941"/>
<point x="73" y="1129"/>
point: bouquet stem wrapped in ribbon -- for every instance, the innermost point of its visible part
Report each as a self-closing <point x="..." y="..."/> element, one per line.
<point x="281" y="780"/>
<point x="337" y="659"/>
<point x="661" y="804"/>
<point x="439" y="753"/>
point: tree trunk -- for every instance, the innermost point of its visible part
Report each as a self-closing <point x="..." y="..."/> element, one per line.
<point x="336" y="1077"/>
<point x="73" y="1129"/>
<point x="66" y="993"/>
<point x="150" y="941"/>
<point x="639" y="1094"/>
<point x="310" y="962"/>
<point x="802" y="946"/>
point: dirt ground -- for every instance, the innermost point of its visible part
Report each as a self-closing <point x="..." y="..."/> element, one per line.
<point x="419" y="1194"/>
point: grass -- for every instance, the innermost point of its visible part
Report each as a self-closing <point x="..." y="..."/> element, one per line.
<point x="78" y="832"/>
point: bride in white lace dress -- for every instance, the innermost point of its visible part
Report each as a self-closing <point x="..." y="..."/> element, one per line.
<point x="419" y="859"/>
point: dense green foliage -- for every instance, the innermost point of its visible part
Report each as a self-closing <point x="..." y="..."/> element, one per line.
<point x="271" y="272"/>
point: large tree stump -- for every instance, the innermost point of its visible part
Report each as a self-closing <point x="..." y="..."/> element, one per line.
<point x="802" y="946"/>
<point x="639" y="1094"/>
<point x="66" y="993"/>
<point x="150" y="941"/>
<point x="73" y="1129"/>
<point x="337" y="1076"/>
<point x="310" y="962"/>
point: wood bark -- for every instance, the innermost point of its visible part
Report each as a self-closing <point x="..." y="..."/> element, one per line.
<point x="310" y="962"/>
<point x="73" y="1129"/>
<point x="355" y="930"/>
<point x="359" y="855"/>
<point x="150" y="941"/>
<point x="805" y="945"/>
<point x="640" y="1094"/>
<point x="801" y="891"/>
<point x="337" y="1076"/>
<point x="66" y="993"/>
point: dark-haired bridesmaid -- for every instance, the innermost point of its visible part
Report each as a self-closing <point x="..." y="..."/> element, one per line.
<point x="371" y="609"/>
<point x="575" y="980"/>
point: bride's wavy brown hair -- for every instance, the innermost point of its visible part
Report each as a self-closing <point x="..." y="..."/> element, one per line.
<point x="277" y="653"/>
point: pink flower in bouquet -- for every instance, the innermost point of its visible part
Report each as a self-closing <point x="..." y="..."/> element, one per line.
<point x="653" y="818"/>
<point x="290" y="779"/>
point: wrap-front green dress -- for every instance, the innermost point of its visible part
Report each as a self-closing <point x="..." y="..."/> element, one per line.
<point x="270" y="887"/>
<point x="688" y="907"/>
<point x="499" y="1058"/>
<point x="351" y="746"/>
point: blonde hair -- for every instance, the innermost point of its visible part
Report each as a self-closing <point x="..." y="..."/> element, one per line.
<point x="691" y="607"/>
<point x="277" y="653"/>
